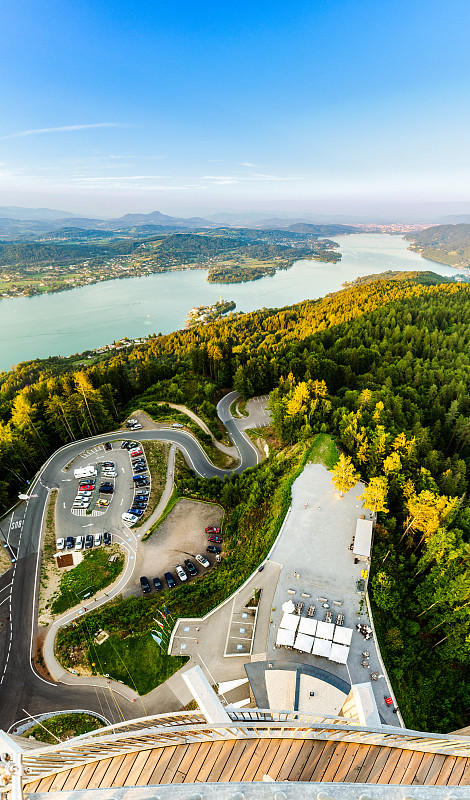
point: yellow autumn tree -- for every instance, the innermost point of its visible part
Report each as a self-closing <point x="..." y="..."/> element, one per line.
<point x="344" y="475"/>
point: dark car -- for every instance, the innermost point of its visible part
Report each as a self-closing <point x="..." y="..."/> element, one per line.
<point x="140" y="506"/>
<point x="145" y="585"/>
<point x="108" y="446"/>
<point x="170" y="580"/>
<point x="137" y="512"/>
<point x="70" y="542"/>
<point x="125" y="445"/>
<point x="140" y="468"/>
<point x="139" y="462"/>
<point x="215" y="539"/>
<point x="141" y="497"/>
<point x="106" y="537"/>
<point x="108" y="464"/>
<point x="141" y="480"/>
<point x="88" y="541"/>
<point x="158" y="584"/>
<point x="212" y="549"/>
<point x="107" y="488"/>
<point x="190" y="567"/>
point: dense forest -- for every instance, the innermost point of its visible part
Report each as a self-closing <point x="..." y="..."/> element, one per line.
<point x="383" y="367"/>
<point x="448" y="244"/>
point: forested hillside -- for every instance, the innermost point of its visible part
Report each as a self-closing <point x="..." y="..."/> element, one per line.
<point x="384" y="367"/>
<point x="448" y="244"/>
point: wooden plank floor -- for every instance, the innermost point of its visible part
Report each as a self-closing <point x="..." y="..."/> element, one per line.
<point x="251" y="759"/>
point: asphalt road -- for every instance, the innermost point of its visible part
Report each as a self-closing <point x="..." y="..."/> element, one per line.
<point x="22" y="690"/>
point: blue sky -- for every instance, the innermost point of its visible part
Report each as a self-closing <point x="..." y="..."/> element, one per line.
<point x="304" y="106"/>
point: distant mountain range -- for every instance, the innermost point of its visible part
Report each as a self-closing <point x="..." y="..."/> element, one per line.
<point x="15" y="224"/>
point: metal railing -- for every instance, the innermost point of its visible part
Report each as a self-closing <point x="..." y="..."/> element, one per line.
<point x="184" y="728"/>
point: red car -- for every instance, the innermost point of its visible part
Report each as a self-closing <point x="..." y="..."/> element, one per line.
<point x="211" y="529"/>
<point x="86" y="487"/>
<point x="216" y="539"/>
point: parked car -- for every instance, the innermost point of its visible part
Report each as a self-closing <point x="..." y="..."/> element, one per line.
<point x="129" y="518"/>
<point x="158" y="584"/>
<point x="106" y="538"/>
<point x="86" y="487"/>
<point x="176" y="425"/>
<point x="202" y="560"/>
<point x="88" y="541"/>
<point x="141" y="480"/>
<point x="108" y="446"/>
<point x="145" y="585"/>
<point x="142" y="492"/>
<point x="107" y="488"/>
<point x="141" y="496"/>
<point x="216" y="539"/>
<point x="212" y="549"/>
<point x="79" y="542"/>
<point x="102" y="503"/>
<point x="138" y="461"/>
<point x="125" y="445"/>
<point x="139" y="506"/>
<point x="60" y="544"/>
<point x="181" y="573"/>
<point x="108" y="464"/>
<point x="190" y="567"/>
<point x="97" y="539"/>
<point x="212" y="529"/>
<point x="135" y="453"/>
<point x="136" y="426"/>
<point x="84" y="493"/>
<point x="109" y="473"/>
<point x="70" y="542"/>
<point x="170" y="580"/>
<point x="140" y="468"/>
<point x="81" y="504"/>
<point x="136" y="511"/>
<point x="132" y="421"/>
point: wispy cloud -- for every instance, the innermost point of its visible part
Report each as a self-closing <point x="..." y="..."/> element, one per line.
<point x="246" y="164"/>
<point x="63" y="129"/>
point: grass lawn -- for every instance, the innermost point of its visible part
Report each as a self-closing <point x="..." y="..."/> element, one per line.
<point x="324" y="451"/>
<point x="95" y="572"/>
<point x="137" y="661"/>
<point x="156" y="454"/>
<point x="64" y="726"/>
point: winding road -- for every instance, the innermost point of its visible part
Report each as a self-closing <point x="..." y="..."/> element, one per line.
<point x="22" y="690"/>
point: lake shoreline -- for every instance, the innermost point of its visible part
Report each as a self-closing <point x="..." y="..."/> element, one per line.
<point x="90" y="317"/>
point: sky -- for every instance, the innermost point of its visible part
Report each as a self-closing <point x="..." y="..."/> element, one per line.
<point x="318" y="107"/>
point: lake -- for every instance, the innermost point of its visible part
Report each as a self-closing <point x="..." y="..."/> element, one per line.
<point x="92" y="316"/>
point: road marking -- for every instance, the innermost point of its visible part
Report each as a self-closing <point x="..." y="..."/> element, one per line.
<point x="90" y="525"/>
<point x="4" y="601"/>
<point x="64" y="505"/>
<point x="66" y="480"/>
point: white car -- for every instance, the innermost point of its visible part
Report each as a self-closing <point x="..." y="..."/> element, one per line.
<point x="60" y="544"/>
<point x="132" y="421"/>
<point x="83" y="504"/>
<point x="129" y="518"/>
<point x="97" y="540"/>
<point x="202" y="560"/>
<point x="136" y="426"/>
<point x="177" y="425"/>
<point x="79" y="542"/>
<point x="181" y="573"/>
<point x="84" y="494"/>
<point x="109" y="473"/>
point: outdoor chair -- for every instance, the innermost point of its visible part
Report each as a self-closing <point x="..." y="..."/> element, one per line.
<point x="311" y="611"/>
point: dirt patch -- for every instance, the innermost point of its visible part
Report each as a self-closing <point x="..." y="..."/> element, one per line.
<point x="50" y="573"/>
<point x="39" y="663"/>
<point x="5" y="562"/>
<point x="182" y="535"/>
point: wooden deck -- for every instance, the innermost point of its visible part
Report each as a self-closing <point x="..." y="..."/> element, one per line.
<point x="250" y="759"/>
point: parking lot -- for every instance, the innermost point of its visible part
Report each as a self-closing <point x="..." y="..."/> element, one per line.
<point x="181" y="536"/>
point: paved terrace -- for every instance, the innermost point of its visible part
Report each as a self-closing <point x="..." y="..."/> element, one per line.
<point x="314" y="545"/>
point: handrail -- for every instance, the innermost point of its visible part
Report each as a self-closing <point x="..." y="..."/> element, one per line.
<point x="56" y="758"/>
